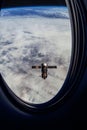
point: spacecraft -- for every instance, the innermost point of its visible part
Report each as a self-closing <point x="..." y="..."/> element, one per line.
<point x="44" y="68"/>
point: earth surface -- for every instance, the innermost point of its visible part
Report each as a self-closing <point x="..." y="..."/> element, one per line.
<point x="32" y="36"/>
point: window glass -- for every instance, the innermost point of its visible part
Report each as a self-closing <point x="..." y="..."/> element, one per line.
<point x="35" y="50"/>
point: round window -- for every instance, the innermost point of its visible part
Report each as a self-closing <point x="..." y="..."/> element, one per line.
<point x="35" y="50"/>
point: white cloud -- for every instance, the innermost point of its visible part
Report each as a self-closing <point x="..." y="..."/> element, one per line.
<point x="28" y="41"/>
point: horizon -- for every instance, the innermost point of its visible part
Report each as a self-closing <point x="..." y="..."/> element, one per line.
<point x="36" y="6"/>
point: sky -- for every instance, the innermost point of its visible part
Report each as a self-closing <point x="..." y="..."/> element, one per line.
<point x="15" y="3"/>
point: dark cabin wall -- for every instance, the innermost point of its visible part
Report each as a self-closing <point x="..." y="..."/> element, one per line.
<point x="85" y="3"/>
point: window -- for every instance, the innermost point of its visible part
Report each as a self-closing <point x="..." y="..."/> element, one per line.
<point x="46" y="69"/>
<point x="32" y="36"/>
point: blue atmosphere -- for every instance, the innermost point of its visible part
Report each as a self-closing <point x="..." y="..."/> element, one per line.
<point x="42" y="11"/>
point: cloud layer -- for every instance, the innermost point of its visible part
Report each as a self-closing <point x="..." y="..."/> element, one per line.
<point x="27" y="41"/>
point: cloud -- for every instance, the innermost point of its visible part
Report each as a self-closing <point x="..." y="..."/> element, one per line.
<point x="31" y="41"/>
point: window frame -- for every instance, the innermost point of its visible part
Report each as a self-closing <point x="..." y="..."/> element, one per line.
<point x="76" y="69"/>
